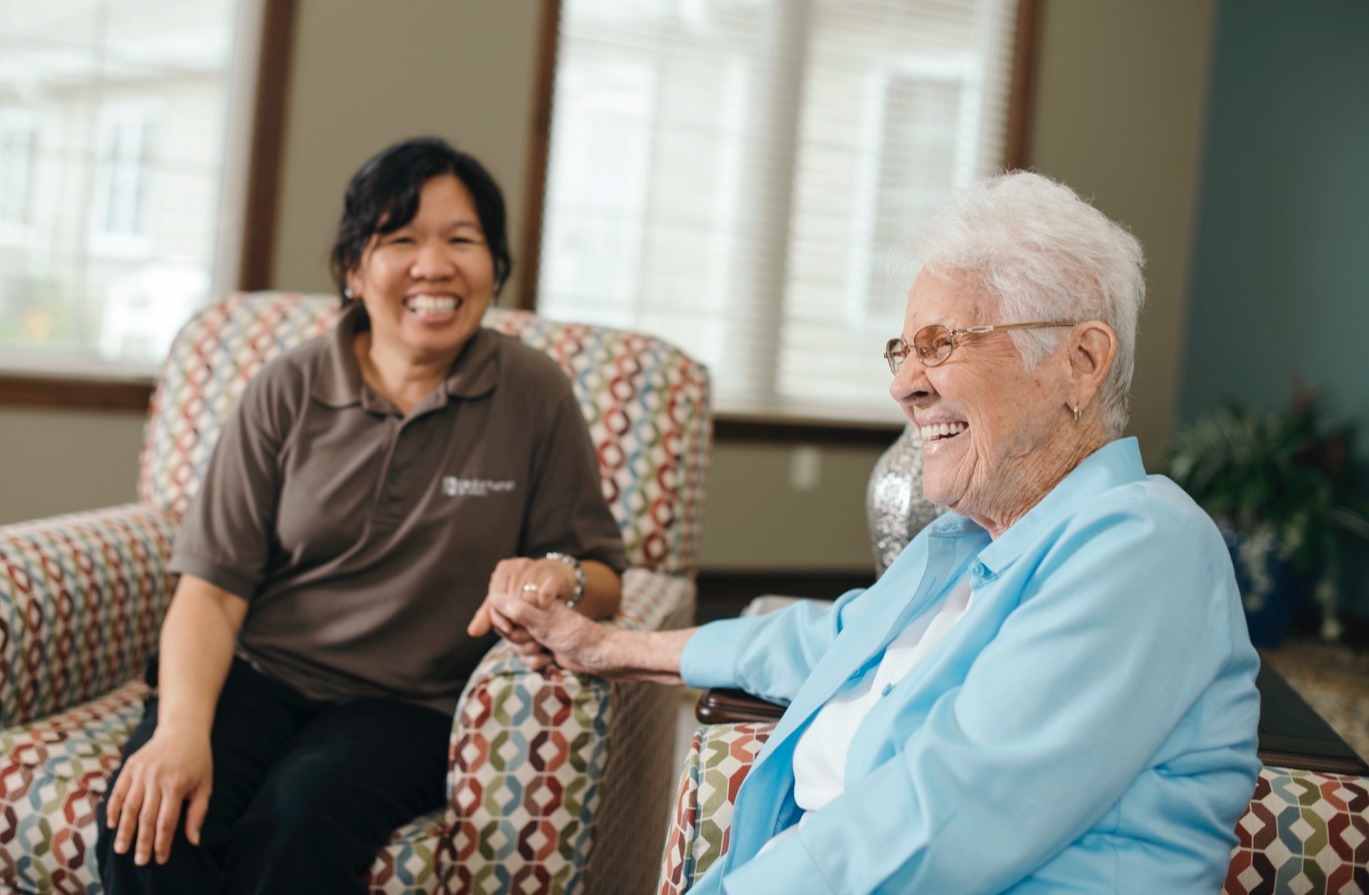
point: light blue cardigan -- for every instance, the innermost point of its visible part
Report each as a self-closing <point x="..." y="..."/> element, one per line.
<point x="1088" y="726"/>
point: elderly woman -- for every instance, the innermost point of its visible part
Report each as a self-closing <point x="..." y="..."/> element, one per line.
<point x="1051" y="689"/>
<point x="372" y="489"/>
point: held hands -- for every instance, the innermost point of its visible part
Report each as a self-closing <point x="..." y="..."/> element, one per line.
<point x="542" y="583"/>
<point x="554" y="633"/>
<point x="174" y="766"/>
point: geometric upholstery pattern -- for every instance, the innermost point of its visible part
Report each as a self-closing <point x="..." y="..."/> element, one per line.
<point x="408" y="865"/>
<point x="81" y="599"/>
<point x="1304" y="832"/>
<point x="533" y="755"/>
<point x="720" y="757"/>
<point x="52" y="774"/>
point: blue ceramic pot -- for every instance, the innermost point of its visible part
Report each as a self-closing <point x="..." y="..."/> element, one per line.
<point x="1272" y="592"/>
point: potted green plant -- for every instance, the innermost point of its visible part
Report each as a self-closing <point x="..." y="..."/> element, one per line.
<point x="1281" y="485"/>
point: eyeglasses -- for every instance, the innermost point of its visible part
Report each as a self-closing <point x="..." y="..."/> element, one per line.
<point x="935" y="343"/>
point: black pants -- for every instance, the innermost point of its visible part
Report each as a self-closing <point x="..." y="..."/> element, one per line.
<point x="304" y="792"/>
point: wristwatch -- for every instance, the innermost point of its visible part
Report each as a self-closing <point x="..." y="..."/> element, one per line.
<point x="579" y="593"/>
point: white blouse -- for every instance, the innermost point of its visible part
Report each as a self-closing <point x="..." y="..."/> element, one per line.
<point x="820" y="754"/>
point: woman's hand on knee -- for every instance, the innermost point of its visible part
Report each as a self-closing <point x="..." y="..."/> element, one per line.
<point x="173" y="767"/>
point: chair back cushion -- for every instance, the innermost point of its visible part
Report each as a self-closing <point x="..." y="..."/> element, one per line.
<point x="646" y="403"/>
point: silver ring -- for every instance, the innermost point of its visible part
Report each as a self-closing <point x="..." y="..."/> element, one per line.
<point x="531" y="588"/>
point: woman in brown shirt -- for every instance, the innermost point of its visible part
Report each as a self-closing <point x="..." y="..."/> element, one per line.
<point x="372" y="489"/>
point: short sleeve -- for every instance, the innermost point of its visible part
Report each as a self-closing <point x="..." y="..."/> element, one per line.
<point x="567" y="511"/>
<point x="225" y="537"/>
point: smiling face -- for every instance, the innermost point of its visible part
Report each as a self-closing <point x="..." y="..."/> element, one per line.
<point x="427" y="285"/>
<point x="996" y="437"/>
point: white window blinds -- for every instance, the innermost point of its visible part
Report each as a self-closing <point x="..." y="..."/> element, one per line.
<point x="733" y="175"/>
<point x="114" y="140"/>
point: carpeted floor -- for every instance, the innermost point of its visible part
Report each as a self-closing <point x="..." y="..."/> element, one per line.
<point x="1334" y="680"/>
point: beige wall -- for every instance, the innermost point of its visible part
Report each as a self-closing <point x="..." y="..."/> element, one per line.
<point x="1118" y="115"/>
<point x="366" y="74"/>
<point x="1120" y="104"/>
<point x="759" y="517"/>
<point x="60" y="461"/>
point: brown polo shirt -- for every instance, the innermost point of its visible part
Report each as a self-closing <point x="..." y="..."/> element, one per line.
<point x="363" y="540"/>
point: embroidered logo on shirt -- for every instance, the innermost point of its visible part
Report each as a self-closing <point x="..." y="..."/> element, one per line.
<point x="454" y="486"/>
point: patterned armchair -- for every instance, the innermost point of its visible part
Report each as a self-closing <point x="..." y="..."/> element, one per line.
<point x="533" y="755"/>
<point x="1305" y="832"/>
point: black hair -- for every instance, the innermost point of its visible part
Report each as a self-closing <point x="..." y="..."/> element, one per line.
<point x="383" y="197"/>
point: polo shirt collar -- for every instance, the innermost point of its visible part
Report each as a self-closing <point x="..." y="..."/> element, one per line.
<point x="1112" y="465"/>
<point x="476" y="369"/>
<point x="338" y="383"/>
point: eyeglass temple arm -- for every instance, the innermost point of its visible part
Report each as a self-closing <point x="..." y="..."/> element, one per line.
<point x="988" y="328"/>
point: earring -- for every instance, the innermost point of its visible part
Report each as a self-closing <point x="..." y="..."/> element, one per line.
<point x="1078" y="413"/>
<point x="348" y="294"/>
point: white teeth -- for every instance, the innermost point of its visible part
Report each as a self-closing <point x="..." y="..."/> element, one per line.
<point x="432" y="304"/>
<point x="942" y="430"/>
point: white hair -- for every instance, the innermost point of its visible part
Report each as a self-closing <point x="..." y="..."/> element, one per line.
<point x="1044" y="254"/>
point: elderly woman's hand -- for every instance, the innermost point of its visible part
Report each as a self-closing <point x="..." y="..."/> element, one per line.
<point x="539" y="582"/>
<point x="578" y="644"/>
<point x="558" y="633"/>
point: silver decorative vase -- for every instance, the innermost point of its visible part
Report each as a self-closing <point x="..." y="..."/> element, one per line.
<point x="894" y="505"/>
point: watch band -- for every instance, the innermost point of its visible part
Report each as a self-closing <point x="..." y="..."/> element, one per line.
<point x="579" y="593"/>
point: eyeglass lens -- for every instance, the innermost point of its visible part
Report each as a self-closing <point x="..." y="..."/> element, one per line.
<point x="894" y="352"/>
<point x="933" y="345"/>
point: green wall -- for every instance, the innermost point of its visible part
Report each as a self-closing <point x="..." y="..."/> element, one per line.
<point x="1280" y="284"/>
<point x="1279" y="291"/>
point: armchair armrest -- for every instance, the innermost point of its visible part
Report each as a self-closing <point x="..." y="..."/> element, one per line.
<point x="719" y="759"/>
<point x="81" y="601"/>
<point x="655" y="601"/>
<point x="724" y="706"/>
<point x="534" y="754"/>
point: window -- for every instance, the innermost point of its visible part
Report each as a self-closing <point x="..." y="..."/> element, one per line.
<point x="734" y="174"/>
<point x="17" y="131"/>
<point x="119" y="221"/>
<point x="116" y="122"/>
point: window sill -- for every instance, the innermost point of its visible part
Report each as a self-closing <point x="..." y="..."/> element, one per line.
<point x="132" y="393"/>
<point x="735" y="427"/>
<point x="71" y="392"/>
